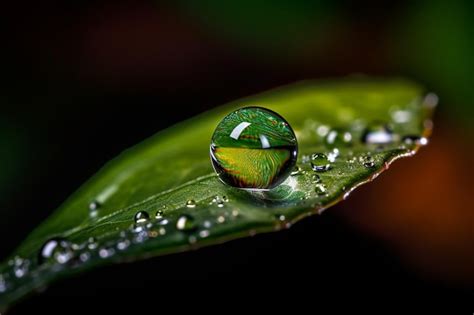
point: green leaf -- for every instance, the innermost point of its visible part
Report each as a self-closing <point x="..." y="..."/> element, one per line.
<point x="171" y="174"/>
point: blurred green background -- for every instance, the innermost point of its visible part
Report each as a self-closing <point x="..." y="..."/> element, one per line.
<point x="83" y="81"/>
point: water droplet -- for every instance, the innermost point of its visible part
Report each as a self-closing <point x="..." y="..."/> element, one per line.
<point x="252" y="149"/>
<point x="413" y="139"/>
<point x="163" y="222"/>
<point x="191" y="203"/>
<point x="57" y="250"/>
<point x="368" y="161"/>
<point x="207" y="224"/>
<point x="332" y="156"/>
<point x="320" y="189"/>
<point x="141" y="217"/>
<point x="84" y="257"/>
<point x="106" y="252"/>
<point x="281" y="217"/>
<point x="92" y="243"/>
<point x="159" y="214"/>
<point x="20" y="267"/>
<point x="377" y="133"/>
<point x="204" y="233"/>
<point x="123" y="244"/>
<point x="320" y="162"/>
<point x="322" y="130"/>
<point x="338" y="138"/>
<point x="316" y="178"/>
<point x="401" y="116"/>
<point x="225" y="198"/>
<point x="220" y="219"/>
<point x="297" y="171"/>
<point x="185" y="223"/>
<point x="235" y="213"/>
<point x="94" y="206"/>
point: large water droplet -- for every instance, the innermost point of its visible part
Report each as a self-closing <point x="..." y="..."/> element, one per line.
<point x="320" y="162"/>
<point x="253" y="148"/>
<point x="56" y="250"/>
<point x="191" y="203"/>
<point x="338" y="138"/>
<point x="377" y="133"/>
<point x="141" y="217"/>
<point x="185" y="223"/>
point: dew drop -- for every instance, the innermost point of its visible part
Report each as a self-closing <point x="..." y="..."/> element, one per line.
<point x="281" y="218"/>
<point x="413" y="139"/>
<point x="316" y="178"/>
<point x="106" y="252"/>
<point x="123" y="244"/>
<point x="377" y="133"/>
<point x="207" y="224"/>
<point x="204" y="233"/>
<point x="159" y="214"/>
<point x="185" y="223"/>
<point x="261" y="145"/>
<point x="338" y="138"/>
<point x="20" y="267"/>
<point x="220" y="219"/>
<point x="320" y="162"/>
<point x="297" y="171"/>
<point x="84" y="257"/>
<point x="94" y="206"/>
<point x="191" y="203"/>
<point x="320" y="189"/>
<point x="368" y="161"/>
<point x="141" y="217"/>
<point x="56" y="250"/>
<point x="92" y="243"/>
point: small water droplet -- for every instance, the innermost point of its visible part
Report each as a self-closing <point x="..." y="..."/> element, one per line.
<point x="141" y="217"/>
<point x="413" y="139"/>
<point x="220" y="219"/>
<point x="204" y="233"/>
<point x="297" y="171"/>
<point x="332" y="156"/>
<point x="235" y="213"/>
<point x="316" y="178"/>
<point x="159" y="214"/>
<point x="84" y="257"/>
<point x="338" y="138"/>
<point x="94" y="205"/>
<point x="92" y="243"/>
<point x="401" y="116"/>
<point x="322" y="130"/>
<point x="162" y="231"/>
<point x="281" y="217"/>
<point x="192" y="239"/>
<point x="320" y="189"/>
<point x="207" y="224"/>
<point x="368" y="161"/>
<point x="21" y="267"/>
<point x="185" y="223"/>
<point x="191" y="203"/>
<point x="377" y="133"/>
<point x="225" y="198"/>
<point x="57" y="249"/>
<point x="123" y="244"/>
<point x="106" y="252"/>
<point x="320" y="162"/>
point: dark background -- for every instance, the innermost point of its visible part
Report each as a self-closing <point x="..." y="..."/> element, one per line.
<point x="85" y="80"/>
